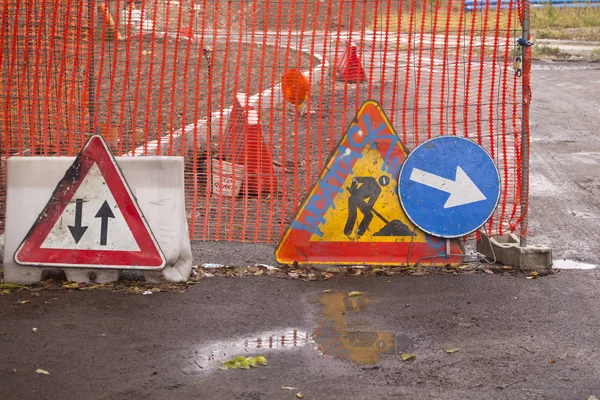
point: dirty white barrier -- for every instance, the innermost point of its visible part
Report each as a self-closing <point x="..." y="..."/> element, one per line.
<point x="156" y="182"/>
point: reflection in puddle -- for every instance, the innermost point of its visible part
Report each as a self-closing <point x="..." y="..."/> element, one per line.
<point x="289" y="339"/>
<point x="335" y="337"/>
<point x="211" y="355"/>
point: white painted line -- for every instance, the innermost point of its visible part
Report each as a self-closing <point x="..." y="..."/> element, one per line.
<point x="274" y="93"/>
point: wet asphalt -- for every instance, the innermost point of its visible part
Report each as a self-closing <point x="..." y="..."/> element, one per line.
<point x="512" y="337"/>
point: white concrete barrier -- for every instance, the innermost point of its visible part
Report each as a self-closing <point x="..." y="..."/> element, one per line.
<point x="156" y="182"/>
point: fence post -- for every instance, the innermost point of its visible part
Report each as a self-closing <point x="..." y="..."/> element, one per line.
<point x="525" y="128"/>
<point x="91" y="81"/>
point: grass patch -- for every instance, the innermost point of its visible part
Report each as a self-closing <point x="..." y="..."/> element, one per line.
<point x="595" y="55"/>
<point x="559" y="18"/>
<point x="581" y="23"/>
<point x="543" y="50"/>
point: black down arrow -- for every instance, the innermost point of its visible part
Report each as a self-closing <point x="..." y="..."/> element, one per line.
<point x="105" y="213"/>
<point x="77" y="230"/>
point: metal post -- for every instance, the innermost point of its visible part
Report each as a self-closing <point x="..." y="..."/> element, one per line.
<point x="525" y="128"/>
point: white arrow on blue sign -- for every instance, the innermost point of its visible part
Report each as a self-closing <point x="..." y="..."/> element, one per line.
<point x="449" y="186"/>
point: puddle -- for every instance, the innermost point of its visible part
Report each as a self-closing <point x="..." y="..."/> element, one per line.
<point x="571" y="264"/>
<point x="336" y="336"/>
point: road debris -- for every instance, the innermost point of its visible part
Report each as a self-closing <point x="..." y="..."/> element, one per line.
<point x="242" y="362"/>
<point x="354" y="294"/>
<point x="42" y="371"/>
<point x="408" y="357"/>
<point x="295" y="272"/>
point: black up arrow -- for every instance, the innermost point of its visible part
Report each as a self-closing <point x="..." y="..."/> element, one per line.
<point x="105" y="213"/>
<point x="77" y="230"/>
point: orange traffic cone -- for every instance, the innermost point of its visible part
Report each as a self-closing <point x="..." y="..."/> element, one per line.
<point x="349" y="67"/>
<point x="244" y="145"/>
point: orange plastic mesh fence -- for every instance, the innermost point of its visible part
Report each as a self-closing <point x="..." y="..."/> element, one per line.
<point x="202" y="79"/>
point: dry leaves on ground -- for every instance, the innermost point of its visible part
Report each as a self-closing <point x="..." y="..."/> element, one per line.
<point x="294" y="272"/>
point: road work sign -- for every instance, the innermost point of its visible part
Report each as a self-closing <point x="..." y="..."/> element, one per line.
<point x="92" y="220"/>
<point x="449" y="186"/>
<point x="353" y="215"/>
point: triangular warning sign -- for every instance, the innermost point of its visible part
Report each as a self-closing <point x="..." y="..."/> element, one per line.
<point x="92" y="220"/>
<point x="353" y="215"/>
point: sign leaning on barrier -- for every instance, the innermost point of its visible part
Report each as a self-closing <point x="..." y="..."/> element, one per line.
<point x="449" y="186"/>
<point x="353" y="215"/>
<point x="92" y="220"/>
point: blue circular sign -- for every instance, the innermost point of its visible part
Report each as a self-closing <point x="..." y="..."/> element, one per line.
<point x="449" y="186"/>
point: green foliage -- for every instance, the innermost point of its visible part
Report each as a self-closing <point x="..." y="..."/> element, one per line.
<point x="581" y="23"/>
<point x="242" y="362"/>
<point x="545" y="50"/>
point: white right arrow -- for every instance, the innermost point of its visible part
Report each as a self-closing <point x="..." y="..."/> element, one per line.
<point x="462" y="190"/>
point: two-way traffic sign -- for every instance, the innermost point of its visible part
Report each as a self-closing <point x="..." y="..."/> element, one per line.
<point x="92" y="220"/>
<point x="449" y="186"/>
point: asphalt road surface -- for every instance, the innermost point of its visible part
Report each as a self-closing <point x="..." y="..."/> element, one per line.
<point x="477" y="336"/>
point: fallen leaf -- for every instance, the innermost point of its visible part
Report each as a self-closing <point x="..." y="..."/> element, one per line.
<point x="293" y="275"/>
<point x="261" y="360"/>
<point x="299" y="395"/>
<point x="92" y="287"/>
<point x="488" y="271"/>
<point x="259" y="273"/>
<point x="353" y="294"/>
<point x="452" y="350"/>
<point x="11" y="286"/>
<point x="42" y="371"/>
<point x="327" y="291"/>
<point x="5" y="291"/>
<point x="243" y="363"/>
<point x="24" y="301"/>
<point x="409" y="357"/>
<point x="288" y="388"/>
<point x="552" y="361"/>
<point x="72" y="285"/>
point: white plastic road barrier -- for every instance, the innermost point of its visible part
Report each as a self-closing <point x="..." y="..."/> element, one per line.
<point x="156" y="182"/>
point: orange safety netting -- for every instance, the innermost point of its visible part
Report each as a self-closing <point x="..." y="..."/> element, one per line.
<point x="202" y="79"/>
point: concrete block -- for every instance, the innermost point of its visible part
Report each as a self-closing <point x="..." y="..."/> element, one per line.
<point x="506" y="250"/>
<point x="156" y="182"/>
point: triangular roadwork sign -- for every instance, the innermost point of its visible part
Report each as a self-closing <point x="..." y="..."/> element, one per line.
<point x="353" y="215"/>
<point x="92" y="220"/>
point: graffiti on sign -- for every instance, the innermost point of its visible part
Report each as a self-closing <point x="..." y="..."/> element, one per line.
<point x="353" y="214"/>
